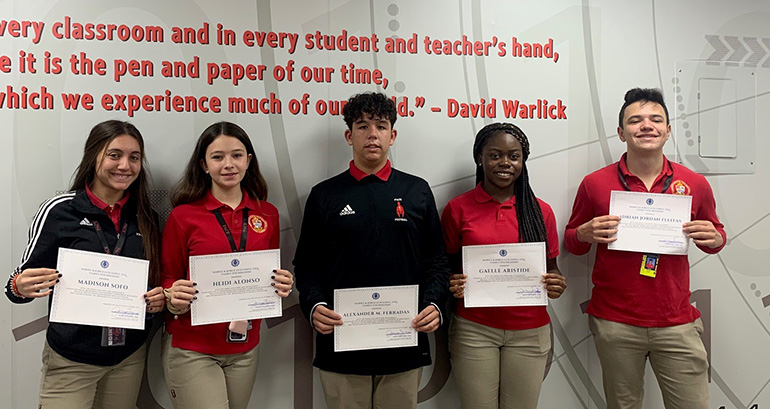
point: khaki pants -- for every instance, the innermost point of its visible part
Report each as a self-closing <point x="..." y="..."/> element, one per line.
<point x="67" y="384"/>
<point x="677" y="356"/>
<point x="396" y="391"/>
<point x="497" y="368"/>
<point x="202" y="381"/>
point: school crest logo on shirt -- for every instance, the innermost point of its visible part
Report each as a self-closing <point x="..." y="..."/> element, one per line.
<point x="400" y="212"/>
<point x="257" y="223"/>
<point x="680" y="188"/>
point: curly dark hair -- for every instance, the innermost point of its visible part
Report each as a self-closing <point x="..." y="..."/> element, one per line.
<point x="372" y="104"/>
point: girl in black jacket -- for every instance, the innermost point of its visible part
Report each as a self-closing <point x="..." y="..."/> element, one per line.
<point x="87" y="366"/>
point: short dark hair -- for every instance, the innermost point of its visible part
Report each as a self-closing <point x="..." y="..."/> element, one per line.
<point x="372" y="104"/>
<point x="643" y="95"/>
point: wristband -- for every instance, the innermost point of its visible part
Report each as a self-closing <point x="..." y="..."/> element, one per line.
<point x="14" y="288"/>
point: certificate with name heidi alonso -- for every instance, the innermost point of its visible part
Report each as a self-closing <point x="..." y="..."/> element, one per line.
<point x="650" y="222"/>
<point x="504" y="275"/>
<point x="376" y="317"/>
<point x="235" y="286"/>
<point x="99" y="289"/>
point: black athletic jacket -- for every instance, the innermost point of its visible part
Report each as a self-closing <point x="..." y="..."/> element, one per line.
<point x="66" y="221"/>
<point x="370" y="233"/>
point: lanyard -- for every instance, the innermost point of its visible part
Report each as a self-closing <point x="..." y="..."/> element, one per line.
<point x="103" y="240"/>
<point x="623" y="182"/>
<point x="244" y="230"/>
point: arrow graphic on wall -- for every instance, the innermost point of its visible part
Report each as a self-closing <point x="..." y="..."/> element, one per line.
<point x="733" y="50"/>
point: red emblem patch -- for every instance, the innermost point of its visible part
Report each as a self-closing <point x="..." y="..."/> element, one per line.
<point x="680" y="188"/>
<point x="257" y="223"/>
<point x="399" y="209"/>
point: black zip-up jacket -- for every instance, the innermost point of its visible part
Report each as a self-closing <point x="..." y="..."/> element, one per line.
<point x="370" y="233"/>
<point x="66" y="221"/>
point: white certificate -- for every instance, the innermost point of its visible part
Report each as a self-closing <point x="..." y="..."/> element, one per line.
<point x="504" y="275"/>
<point x="235" y="286"/>
<point x="99" y="289"/>
<point x="376" y="317"/>
<point x="650" y="222"/>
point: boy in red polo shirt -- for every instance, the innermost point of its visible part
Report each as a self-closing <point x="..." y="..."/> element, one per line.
<point x="634" y="314"/>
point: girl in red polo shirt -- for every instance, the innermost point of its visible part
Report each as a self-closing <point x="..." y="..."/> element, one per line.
<point x="219" y="207"/>
<point x="499" y="353"/>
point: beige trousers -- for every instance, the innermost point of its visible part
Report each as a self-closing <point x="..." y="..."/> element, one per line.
<point x="67" y="384"/>
<point x="497" y="368"/>
<point x="396" y="391"/>
<point x="202" y="381"/>
<point x="677" y="356"/>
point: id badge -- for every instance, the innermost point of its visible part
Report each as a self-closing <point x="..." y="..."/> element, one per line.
<point x="238" y="331"/>
<point x="649" y="265"/>
<point x="113" y="337"/>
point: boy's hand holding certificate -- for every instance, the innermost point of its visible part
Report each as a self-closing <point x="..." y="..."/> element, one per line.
<point x="376" y="317"/>
<point x="650" y="222"/>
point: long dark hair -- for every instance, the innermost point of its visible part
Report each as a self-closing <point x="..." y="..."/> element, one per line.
<point x="98" y="140"/>
<point x="195" y="182"/>
<point x="528" y="212"/>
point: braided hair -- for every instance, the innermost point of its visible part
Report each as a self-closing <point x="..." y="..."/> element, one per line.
<point x="528" y="212"/>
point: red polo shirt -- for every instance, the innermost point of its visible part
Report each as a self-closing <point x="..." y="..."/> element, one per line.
<point x="475" y="218"/>
<point x="112" y="211"/>
<point x="192" y="230"/>
<point x="620" y="293"/>
<point x="382" y="174"/>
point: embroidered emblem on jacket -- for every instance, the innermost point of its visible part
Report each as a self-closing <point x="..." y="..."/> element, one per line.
<point x="400" y="213"/>
<point x="680" y="188"/>
<point x="257" y="223"/>
<point x="347" y="210"/>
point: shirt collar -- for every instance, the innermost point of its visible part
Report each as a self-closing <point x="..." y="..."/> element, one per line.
<point x="383" y="174"/>
<point x="210" y="202"/>
<point x="101" y="204"/>
<point x="482" y="196"/>
<point x="667" y="168"/>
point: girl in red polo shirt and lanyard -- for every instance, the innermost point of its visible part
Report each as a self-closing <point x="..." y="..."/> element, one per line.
<point x="106" y="210"/>
<point x="499" y="353"/>
<point x="219" y="207"/>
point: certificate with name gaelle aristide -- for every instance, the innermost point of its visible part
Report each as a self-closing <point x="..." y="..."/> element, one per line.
<point x="504" y="275"/>
<point x="650" y="222"/>
<point x="99" y="289"/>
<point x="234" y="287"/>
<point x="376" y="317"/>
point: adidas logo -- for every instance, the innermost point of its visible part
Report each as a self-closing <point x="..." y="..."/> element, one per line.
<point x="347" y="210"/>
<point x="85" y="222"/>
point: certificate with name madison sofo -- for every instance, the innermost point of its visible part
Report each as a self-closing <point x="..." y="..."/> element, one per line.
<point x="99" y="289"/>
<point x="376" y="317"/>
<point x="235" y="286"/>
<point x="504" y="275"/>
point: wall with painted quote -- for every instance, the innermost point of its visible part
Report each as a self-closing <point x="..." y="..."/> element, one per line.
<point x="281" y="70"/>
